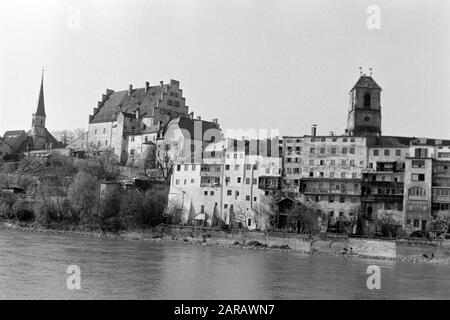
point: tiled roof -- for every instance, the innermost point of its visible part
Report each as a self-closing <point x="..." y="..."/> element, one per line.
<point x="188" y="125"/>
<point x="366" y="82"/>
<point x="122" y="101"/>
<point x="13" y="133"/>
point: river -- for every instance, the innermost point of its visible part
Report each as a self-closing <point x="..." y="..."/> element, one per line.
<point x="33" y="266"/>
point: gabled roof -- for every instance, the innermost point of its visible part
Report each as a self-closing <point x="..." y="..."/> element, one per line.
<point x="366" y="82"/>
<point x="13" y="133"/>
<point x="188" y="125"/>
<point x="122" y="101"/>
<point x="19" y="143"/>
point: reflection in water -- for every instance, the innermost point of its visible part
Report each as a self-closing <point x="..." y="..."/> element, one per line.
<point x="33" y="266"/>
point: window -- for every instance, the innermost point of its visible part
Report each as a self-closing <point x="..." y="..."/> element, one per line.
<point x="416" y="223"/>
<point x="311" y="174"/>
<point x="375" y="152"/>
<point x="227" y="167"/>
<point x="420" y="153"/>
<point x="332" y="162"/>
<point x="418" y="177"/>
<point x="247" y="198"/>
<point x="344" y="150"/>
<point x="322" y="162"/>
<point x="193" y="167"/>
<point x="211" y="193"/>
<point x="247" y="180"/>
<point x="344" y="162"/>
<point x="95" y="131"/>
<point x="333" y="150"/>
<point x="248" y="166"/>
<point x="416" y="191"/>
<point x="177" y="181"/>
<point x="192" y="181"/>
<point x="239" y="180"/>
<point x="418" y="163"/>
<point x="178" y="167"/>
<point x="255" y="181"/>
<point x="352" y="162"/>
<point x="352" y="150"/>
<point x="254" y="199"/>
<point x="343" y="175"/>
<point x="185" y="181"/>
<point x="398" y="152"/>
<point x="186" y="167"/>
<point x="342" y="199"/>
<point x="386" y="152"/>
<point x="367" y="100"/>
<point x="331" y="174"/>
<point x="354" y="175"/>
<point x="311" y="150"/>
<point x="202" y="209"/>
<point x="322" y="150"/>
<point x="236" y="167"/>
<point x="311" y="162"/>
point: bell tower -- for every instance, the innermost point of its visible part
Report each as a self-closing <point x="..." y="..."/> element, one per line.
<point x="364" y="115"/>
<point x="38" y="131"/>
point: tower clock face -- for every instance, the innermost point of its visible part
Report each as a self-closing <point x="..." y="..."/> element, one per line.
<point x="367" y="118"/>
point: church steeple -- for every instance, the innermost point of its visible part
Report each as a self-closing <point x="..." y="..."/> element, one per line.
<point x="40" y="111"/>
<point x="38" y="131"/>
<point x="364" y="116"/>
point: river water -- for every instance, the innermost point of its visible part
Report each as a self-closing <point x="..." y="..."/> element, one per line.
<point x="33" y="266"/>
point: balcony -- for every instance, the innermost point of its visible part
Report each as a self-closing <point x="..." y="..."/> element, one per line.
<point x="214" y="174"/>
<point x="269" y="183"/>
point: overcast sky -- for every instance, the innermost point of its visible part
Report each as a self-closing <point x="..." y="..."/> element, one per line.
<point x="250" y="63"/>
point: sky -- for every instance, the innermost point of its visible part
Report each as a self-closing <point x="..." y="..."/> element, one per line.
<point x="253" y="64"/>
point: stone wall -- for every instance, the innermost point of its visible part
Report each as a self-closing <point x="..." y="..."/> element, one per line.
<point x="373" y="248"/>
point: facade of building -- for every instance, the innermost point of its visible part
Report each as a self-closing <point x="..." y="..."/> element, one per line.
<point x="232" y="183"/>
<point x="365" y="173"/>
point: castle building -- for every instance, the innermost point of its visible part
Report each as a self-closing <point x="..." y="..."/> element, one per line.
<point x="38" y="139"/>
<point x="129" y="123"/>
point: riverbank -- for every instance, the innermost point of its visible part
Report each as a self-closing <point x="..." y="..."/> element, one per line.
<point x="409" y="251"/>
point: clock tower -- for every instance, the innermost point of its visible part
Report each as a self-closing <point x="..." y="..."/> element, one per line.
<point x="364" y="115"/>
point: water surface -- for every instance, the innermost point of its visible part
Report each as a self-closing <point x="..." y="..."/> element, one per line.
<point x="33" y="266"/>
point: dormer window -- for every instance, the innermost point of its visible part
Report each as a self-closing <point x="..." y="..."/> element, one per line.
<point x="367" y="100"/>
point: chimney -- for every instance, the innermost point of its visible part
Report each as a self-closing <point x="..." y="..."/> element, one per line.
<point x="191" y="115"/>
<point x="161" y="83"/>
<point x="199" y="118"/>
<point x="215" y="121"/>
<point x="137" y="114"/>
<point x="130" y="89"/>
<point x="332" y="133"/>
<point x="147" y="86"/>
<point x="313" y="130"/>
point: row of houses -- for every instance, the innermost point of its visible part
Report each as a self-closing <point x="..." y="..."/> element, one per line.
<point x="219" y="179"/>
<point x="359" y="173"/>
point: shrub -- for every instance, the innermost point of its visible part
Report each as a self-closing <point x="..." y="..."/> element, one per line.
<point x="83" y="195"/>
<point x="45" y="213"/>
<point x="22" y="211"/>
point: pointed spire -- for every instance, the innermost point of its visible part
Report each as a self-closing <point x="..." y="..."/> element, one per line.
<point x="41" y="106"/>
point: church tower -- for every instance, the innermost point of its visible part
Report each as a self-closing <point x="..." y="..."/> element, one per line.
<point x="364" y="115"/>
<point x="38" y="131"/>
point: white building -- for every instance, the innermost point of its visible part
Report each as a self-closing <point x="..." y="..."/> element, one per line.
<point x="232" y="183"/>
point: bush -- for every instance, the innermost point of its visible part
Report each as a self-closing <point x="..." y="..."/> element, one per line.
<point x="45" y="213"/>
<point x="22" y="211"/>
<point x="83" y="195"/>
<point x="6" y="211"/>
<point x="153" y="208"/>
